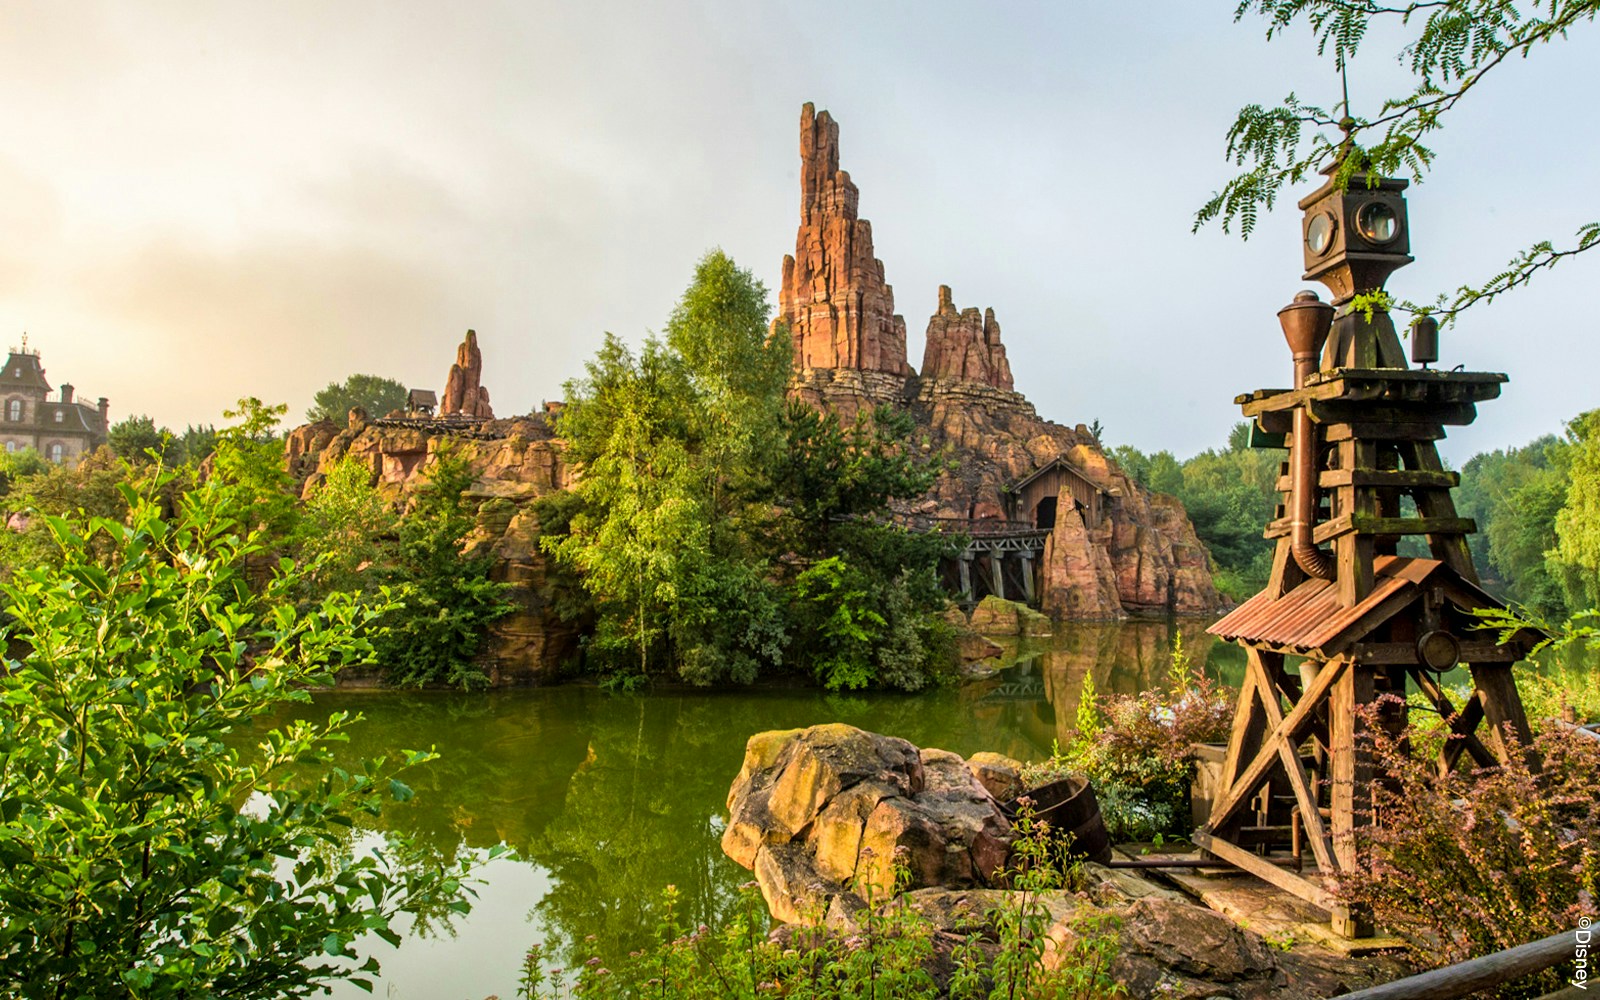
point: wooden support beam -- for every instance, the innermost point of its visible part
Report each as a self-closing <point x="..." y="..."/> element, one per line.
<point x="1405" y="653"/>
<point x="1502" y="709"/>
<point x="1382" y="431"/>
<point x="1294" y="885"/>
<point x="1350" y="763"/>
<point x="1292" y="731"/>
<point x="1463" y="724"/>
<point x="1367" y="524"/>
<point x="1396" y="478"/>
<point x="1310" y="813"/>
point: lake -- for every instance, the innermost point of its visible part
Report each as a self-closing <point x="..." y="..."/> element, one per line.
<point x="608" y="798"/>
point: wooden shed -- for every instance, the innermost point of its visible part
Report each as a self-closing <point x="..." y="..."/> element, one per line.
<point x="421" y="402"/>
<point x="1036" y="497"/>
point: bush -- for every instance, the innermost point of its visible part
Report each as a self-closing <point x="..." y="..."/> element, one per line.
<point x="444" y="600"/>
<point x="1134" y="749"/>
<point x="142" y="851"/>
<point x="1476" y="862"/>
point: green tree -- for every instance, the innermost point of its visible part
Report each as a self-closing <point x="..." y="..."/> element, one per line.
<point x="142" y="851"/>
<point x="373" y="393"/>
<point x="704" y="494"/>
<point x="346" y="523"/>
<point x="136" y="437"/>
<point x="1578" y="521"/>
<point x="444" y="600"/>
<point x="18" y="465"/>
<point x="1451" y="47"/>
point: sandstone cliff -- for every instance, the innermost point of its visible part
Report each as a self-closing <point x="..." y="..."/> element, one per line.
<point x="464" y="394"/>
<point x="964" y="345"/>
<point x="1140" y="553"/>
<point x="839" y="309"/>
<point x="516" y="461"/>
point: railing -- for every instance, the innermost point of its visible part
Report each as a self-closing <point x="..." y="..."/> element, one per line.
<point x="1481" y="973"/>
<point x="973" y="527"/>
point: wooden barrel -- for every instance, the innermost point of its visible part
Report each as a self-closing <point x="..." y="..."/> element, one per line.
<point x="1071" y="809"/>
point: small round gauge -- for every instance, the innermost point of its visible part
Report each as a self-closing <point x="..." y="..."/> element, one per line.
<point x="1377" y="222"/>
<point x="1438" y="651"/>
<point x="1319" y="233"/>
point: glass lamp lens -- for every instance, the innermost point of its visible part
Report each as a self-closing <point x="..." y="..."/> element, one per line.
<point x="1319" y="234"/>
<point x="1377" y="222"/>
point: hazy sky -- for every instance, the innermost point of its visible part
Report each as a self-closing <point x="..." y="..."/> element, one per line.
<point x="204" y="201"/>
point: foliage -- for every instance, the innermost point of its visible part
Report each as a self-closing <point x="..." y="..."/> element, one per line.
<point x="721" y="532"/>
<point x="90" y="488"/>
<point x="1514" y="495"/>
<point x="346" y="524"/>
<point x="137" y="439"/>
<point x="15" y="465"/>
<point x="891" y="952"/>
<point x="1229" y="496"/>
<point x="1134" y="749"/>
<point x="372" y="393"/>
<point x="1453" y="45"/>
<point x="143" y="852"/>
<point x="444" y="599"/>
<point x="1478" y="862"/>
<point x="1578" y="521"/>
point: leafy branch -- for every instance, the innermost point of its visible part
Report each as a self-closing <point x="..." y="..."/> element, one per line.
<point x="1459" y="43"/>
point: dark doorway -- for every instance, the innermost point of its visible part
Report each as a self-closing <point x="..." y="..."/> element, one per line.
<point x="1044" y="515"/>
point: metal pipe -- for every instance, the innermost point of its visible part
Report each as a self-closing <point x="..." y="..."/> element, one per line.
<point x="1306" y="322"/>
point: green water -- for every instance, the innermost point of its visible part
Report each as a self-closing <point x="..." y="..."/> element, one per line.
<point x="609" y="798"/>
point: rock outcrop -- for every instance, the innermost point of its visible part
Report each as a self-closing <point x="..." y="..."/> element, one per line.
<point x="514" y="462"/>
<point x="839" y="309"/>
<point x="965" y="345"/>
<point x="464" y="394"/>
<point x="1137" y="553"/>
<point x="823" y="816"/>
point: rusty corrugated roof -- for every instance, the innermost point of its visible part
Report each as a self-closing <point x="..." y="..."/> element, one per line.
<point x="1310" y="617"/>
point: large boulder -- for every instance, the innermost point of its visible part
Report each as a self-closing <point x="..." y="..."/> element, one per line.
<point x="825" y="815"/>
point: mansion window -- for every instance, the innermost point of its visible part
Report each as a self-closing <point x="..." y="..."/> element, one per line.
<point x="59" y="416"/>
<point x="14" y="410"/>
<point x="55" y="453"/>
<point x="11" y="446"/>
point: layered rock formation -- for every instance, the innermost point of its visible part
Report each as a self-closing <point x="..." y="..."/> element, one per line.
<point x="464" y="394"/>
<point x="964" y="345"/>
<point x="823" y="816"/>
<point x="839" y="309"/>
<point x="1140" y="554"/>
<point x="515" y="462"/>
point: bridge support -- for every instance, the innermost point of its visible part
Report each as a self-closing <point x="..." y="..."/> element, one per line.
<point x="997" y="574"/>
<point x="1026" y="558"/>
<point x="964" y="564"/>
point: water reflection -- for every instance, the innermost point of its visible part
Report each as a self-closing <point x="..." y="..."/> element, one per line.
<point x="609" y="798"/>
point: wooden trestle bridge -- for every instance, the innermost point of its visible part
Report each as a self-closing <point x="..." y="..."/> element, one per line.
<point x="1001" y="556"/>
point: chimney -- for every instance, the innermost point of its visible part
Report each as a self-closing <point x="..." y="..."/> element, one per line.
<point x="66" y="392"/>
<point x="105" y="409"/>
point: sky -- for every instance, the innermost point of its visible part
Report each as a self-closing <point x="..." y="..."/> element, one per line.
<point x="200" y="202"/>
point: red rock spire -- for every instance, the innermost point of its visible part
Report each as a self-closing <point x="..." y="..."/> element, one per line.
<point x="839" y="309"/>
<point x="463" y="395"/>
<point x="963" y="345"/>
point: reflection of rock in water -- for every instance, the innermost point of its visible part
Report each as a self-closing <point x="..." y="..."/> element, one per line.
<point x="1122" y="657"/>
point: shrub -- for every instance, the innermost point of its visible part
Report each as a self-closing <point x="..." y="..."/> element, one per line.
<point x="1477" y="861"/>
<point x="1135" y="749"/>
<point x="142" y="851"/>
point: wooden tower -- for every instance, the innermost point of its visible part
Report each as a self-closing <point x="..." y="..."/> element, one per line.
<point x="1363" y="472"/>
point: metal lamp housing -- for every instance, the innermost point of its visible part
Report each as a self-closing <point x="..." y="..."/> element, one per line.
<point x="1355" y="238"/>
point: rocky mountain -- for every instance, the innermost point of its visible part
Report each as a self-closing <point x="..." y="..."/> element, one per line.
<point x="1130" y="552"/>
